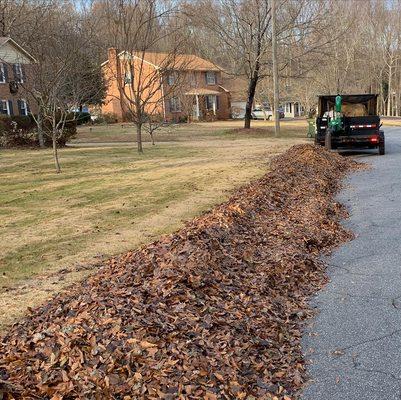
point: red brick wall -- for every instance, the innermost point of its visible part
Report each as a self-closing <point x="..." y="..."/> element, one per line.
<point x="22" y="93"/>
<point x="113" y="72"/>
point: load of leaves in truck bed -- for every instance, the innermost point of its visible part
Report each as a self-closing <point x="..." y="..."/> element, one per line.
<point x="212" y="311"/>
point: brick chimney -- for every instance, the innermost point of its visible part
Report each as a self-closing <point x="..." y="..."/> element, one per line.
<point x="112" y="54"/>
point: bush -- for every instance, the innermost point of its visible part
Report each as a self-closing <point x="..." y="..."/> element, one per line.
<point x="69" y="132"/>
<point x="182" y="119"/>
<point x="109" y="118"/>
<point x="18" y="131"/>
<point x="79" y="117"/>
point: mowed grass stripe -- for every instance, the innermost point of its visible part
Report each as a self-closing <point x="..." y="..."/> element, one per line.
<point x="107" y="201"/>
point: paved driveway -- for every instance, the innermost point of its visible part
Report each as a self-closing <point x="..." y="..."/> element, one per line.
<point x="354" y="343"/>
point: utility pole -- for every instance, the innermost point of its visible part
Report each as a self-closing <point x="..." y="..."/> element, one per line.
<point x="275" y="70"/>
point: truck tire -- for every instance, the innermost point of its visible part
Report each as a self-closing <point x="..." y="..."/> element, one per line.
<point x="327" y="141"/>
<point x="382" y="148"/>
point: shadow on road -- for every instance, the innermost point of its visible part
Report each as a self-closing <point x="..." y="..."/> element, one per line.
<point x="359" y="153"/>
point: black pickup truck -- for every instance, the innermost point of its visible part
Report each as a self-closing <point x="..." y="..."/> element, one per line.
<point x="349" y="121"/>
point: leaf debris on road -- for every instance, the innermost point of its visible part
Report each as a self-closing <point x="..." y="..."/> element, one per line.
<point x="213" y="311"/>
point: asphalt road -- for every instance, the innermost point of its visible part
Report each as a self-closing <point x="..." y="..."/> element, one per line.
<point x="354" y="343"/>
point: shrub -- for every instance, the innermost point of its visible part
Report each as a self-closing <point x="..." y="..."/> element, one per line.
<point x="22" y="131"/>
<point x="98" y="119"/>
<point x="69" y="132"/>
<point x="17" y="131"/>
<point x="79" y="117"/>
<point x="109" y="118"/>
<point x="182" y="119"/>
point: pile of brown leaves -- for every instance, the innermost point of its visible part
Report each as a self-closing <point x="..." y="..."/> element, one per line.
<point x="211" y="312"/>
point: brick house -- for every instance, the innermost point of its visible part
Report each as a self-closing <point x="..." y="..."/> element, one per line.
<point x="14" y="77"/>
<point x="190" y="87"/>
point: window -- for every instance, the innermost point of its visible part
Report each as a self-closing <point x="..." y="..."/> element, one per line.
<point x="210" y="100"/>
<point x="175" y="104"/>
<point x="3" y="73"/>
<point x="171" y="78"/>
<point x="23" y="108"/>
<point x="6" y="107"/>
<point x="210" y="77"/>
<point x="18" y="73"/>
<point x="127" y="78"/>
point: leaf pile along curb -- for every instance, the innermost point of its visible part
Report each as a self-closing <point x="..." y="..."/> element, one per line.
<point x="213" y="311"/>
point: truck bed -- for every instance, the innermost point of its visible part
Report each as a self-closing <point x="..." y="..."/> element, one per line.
<point x="357" y="132"/>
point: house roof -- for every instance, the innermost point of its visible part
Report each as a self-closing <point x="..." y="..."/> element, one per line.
<point x="237" y="86"/>
<point x="187" y="62"/>
<point x="4" y="40"/>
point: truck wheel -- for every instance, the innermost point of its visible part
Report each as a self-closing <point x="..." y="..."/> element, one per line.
<point x="327" y="141"/>
<point x="382" y="148"/>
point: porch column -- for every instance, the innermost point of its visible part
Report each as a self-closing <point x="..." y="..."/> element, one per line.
<point x="197" y="107"/>
<point x="214" y="105"/>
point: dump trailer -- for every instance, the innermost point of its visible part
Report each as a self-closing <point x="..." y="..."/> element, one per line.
<point x="349" y="121"/>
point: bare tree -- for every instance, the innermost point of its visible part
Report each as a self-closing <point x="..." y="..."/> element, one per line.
<point x="145" y="78"/>
<point x="241" y="33"/>
<point x="61" y="79"/>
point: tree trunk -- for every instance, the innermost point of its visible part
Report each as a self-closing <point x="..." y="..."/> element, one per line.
<point x="55" y="153"/>
<point x="251" y="96"/>
<point x="389" y="95"/>
<point x="40" y="131"/>
<point x="139" y="137"/>
<point x="275" y="71"/>
<point x="153" y="139"/>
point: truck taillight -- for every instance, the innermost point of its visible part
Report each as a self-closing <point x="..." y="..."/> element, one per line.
<point x="374" y="139"/>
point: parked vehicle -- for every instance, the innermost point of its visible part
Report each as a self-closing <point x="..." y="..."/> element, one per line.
<point x="349" y="121"/>
<point x="262" y="113"/>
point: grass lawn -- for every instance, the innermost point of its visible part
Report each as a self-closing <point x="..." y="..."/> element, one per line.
<point x="110" y="199"/>
<point x="391" y="121"/>
<point x="182" y="132"/>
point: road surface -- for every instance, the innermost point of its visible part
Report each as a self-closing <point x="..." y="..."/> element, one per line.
<point x="354" y="342"/>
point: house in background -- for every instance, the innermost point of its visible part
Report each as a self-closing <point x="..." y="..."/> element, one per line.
<point x="14" y="77"/>
<point x="192" y="86"/>
<point x="292" y="109"/>
<point x="238" y="88"/>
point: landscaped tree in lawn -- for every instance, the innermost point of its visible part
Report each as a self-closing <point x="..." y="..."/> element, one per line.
<point x="63" y="78"/>
<point x="138" y="28"/>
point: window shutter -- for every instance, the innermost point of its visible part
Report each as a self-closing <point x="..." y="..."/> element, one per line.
<point x="10" y="106"/>
<point x="3" y="108"/>
<point x="5" y="72"/>
<point x="206" y="77"/>
<point x="15" y="72"/>
<point x="217" y="102"/>
<point x="19" y="104"/>
<point x="23" y="72"/>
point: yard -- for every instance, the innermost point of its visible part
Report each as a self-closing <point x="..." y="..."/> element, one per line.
<point x="109" y="199"/>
